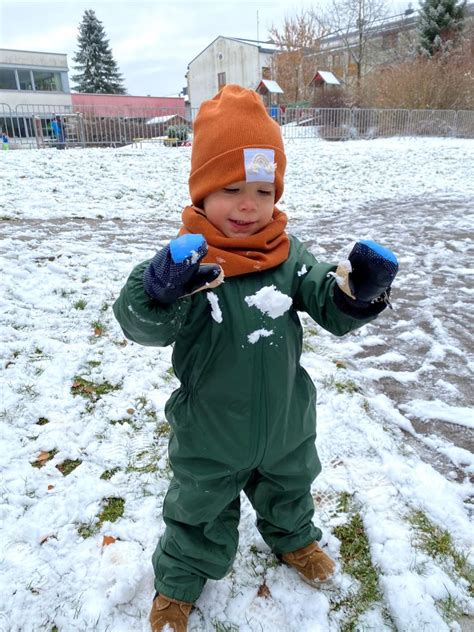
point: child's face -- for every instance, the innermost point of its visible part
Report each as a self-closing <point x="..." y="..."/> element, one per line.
<point x="242" y="208"/>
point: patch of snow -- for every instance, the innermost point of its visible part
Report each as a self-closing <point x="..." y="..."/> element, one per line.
<point x="259" y="333"/>
<point x="216" y="312"/>
<point x="270" y="301"/>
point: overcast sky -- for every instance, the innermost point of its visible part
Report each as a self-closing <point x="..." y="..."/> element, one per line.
<point x="152" y="41"/>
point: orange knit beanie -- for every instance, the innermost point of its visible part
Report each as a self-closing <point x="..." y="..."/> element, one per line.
<point x="235" y="140"/>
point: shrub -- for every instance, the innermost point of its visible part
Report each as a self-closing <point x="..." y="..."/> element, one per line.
<point x="178" y="132"/>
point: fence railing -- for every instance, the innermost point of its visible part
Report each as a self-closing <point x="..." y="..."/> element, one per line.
<point x="66" y="126"/>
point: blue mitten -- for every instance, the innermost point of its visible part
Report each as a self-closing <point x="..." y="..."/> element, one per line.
<point x="175" y="271"/>
<point x="365" y="278"/>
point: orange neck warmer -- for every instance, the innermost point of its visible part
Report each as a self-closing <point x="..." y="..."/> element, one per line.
<point x="236" y="255"/>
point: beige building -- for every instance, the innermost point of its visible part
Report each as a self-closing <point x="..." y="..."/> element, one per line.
<point x="390" y="41"/>
<point x="30" y="78"/>
<point x="228" y="60"/>
<point x="31" y="81"/>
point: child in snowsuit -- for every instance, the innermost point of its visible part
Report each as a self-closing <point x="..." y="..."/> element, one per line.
<point x="243" y="418"/>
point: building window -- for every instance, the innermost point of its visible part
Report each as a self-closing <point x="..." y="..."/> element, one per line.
<point x="220" y="80"/>
<point x="266" y="73"/>
<point x="48" y="81"/>
<point x="24" y="79"/>
<point x="7" y="79"/>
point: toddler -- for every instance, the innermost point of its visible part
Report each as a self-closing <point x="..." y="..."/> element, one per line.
<point x="244" y="416"/>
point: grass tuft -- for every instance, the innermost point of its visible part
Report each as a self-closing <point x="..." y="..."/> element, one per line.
<point x="112" y="511"/>
<point x="341" y="386"/>
<point x="438" y="543"/>
<point x="99" y="328"/>
<point x="107" y="475"/>
<point x="68" y="466"/>
<point x="357" y="563"/>
<point x="91" y="390"/>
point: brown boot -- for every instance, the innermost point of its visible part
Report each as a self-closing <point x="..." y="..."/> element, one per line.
<point x="311" y="563"/>
<point x="169" y="612"/>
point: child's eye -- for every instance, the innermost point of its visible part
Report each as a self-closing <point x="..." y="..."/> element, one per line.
<point x="264" y="192"/>
<point x="230" y="190"/>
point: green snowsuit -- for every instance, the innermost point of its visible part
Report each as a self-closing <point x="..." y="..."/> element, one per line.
<point x="244" y="417"/>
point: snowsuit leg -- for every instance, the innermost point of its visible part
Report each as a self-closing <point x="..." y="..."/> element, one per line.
<point x="280" y="493"/>
<point x="202" y="517"/>
<point x="201" y="536"/>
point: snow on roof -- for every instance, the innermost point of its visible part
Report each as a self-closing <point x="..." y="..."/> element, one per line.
<point x="161" y="119"/>
<point x="271" y="86"/>
<point x="325" y="76"/>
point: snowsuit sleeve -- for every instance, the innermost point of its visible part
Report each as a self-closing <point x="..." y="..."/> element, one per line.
<point x="315" y="295"/>
<point x="142" y="319"/>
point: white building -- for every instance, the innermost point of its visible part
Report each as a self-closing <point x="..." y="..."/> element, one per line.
<point x="31" y="82"/>
<point x="228" y="60"/>
<point x="28" y="77"/>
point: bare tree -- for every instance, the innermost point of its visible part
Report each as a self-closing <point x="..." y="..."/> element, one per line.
<point x="353" y="23"/>
<point x="300" y="35"/>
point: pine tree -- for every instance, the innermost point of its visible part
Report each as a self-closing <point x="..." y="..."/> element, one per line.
<point x="97" y="70"/>
<point x="440" y="26"/>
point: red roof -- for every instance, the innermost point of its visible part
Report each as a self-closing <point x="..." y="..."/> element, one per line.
<point x="126" y="105"/>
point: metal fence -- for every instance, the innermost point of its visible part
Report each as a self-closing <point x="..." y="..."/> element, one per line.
<point x="42" y="126"/>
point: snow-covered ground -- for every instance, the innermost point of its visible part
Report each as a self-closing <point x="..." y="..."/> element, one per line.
<point x="394" y="422"/>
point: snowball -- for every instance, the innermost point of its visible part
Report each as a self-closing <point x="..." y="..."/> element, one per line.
<point x="270" y="301"/>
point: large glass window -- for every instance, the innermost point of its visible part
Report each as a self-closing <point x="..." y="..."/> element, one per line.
<point x="7" y="79"/>
<point x="47" y="80"/>
<point x="24" y="77"/>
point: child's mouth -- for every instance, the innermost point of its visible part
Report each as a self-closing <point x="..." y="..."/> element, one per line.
<point x="239" y="224"/>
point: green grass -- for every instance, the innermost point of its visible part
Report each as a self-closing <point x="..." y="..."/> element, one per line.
<point x="91" y="390"/>
<point x="163" y="429"/>
<point x="341" y="386"/>
<point x="169" y="374"/>
<point x="220" y="626"/>
<point x="68" y="466"/>
<point x="439" y="545"/>
<point x="111" y="512"/>
<point x="80" y="304"/>
<point x="94" y="363"/>
<point x="88" y="529"/>
<point x="39" y="463"/>
<point x="357" y="563"/>
<point x="107" y="475"/>
<point x="42" y="421"/>
<point x="98" y="327"/>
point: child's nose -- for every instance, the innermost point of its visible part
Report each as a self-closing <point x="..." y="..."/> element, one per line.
<point x="247" y="202"/>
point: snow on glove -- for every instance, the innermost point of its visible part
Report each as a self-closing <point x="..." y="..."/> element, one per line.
<point x="367" y="274"/>
<point x="175" y="271"/>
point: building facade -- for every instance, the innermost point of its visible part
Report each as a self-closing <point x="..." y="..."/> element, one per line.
<point x="30" y="78"/>
<point x="228" y="60"/>
<point x="388" y="42"/>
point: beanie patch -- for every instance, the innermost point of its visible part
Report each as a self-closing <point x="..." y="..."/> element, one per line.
<point x="260" y="165"/>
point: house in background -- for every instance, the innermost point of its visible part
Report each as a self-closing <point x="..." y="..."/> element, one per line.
<point x="35" y="91"/>
<point x="270" y="92"/>
<point x="325" y="86"/>
<point x="229" y="60"/>
<point x="28" y="78"/>
<point x="390" y="41"/>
